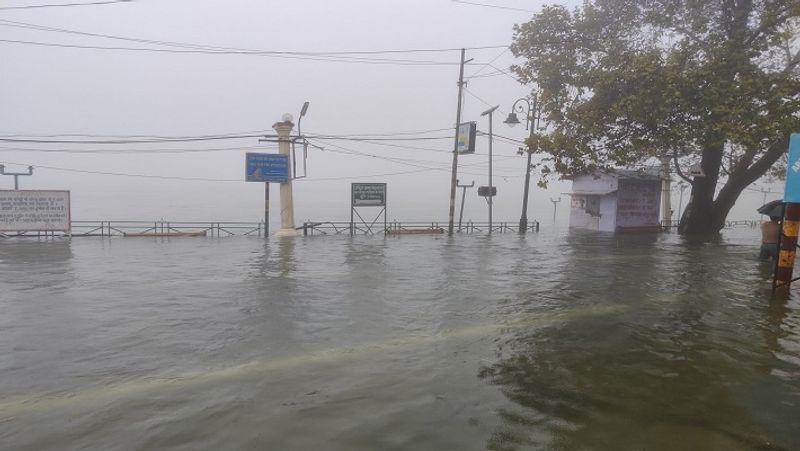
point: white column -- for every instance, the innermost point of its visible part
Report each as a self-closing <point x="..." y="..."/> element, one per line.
<point x="666" y="191"/>
<point x="287" y="200"/>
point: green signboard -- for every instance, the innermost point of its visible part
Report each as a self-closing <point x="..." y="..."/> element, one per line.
<point x="369" y="194"/>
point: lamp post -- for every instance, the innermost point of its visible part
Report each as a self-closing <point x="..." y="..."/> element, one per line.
<point x="489" y="112"/>
<point x="529" y="106"/>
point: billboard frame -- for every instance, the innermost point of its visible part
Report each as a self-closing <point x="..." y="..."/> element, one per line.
<point x="67" y="230"/>
<point x="354" y="208"/>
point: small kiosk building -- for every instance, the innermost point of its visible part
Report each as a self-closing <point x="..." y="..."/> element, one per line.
<point x="616" y="200"/>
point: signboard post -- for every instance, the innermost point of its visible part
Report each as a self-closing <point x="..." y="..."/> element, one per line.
<point x="266" y="167"/>
<point x="466" y="137"/>
<point x="34" y="211"/>
<point x="367" y="195"/>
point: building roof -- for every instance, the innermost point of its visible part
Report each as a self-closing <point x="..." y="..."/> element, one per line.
<point x="623" y="174"/>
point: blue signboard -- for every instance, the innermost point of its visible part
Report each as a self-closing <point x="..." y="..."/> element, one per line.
<point x="791" y="193"/>
<point x="267" y="167"/>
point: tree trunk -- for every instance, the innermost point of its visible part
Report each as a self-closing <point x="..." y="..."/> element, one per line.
<point x="699" y="218"/>
<point x="707" y="216"/>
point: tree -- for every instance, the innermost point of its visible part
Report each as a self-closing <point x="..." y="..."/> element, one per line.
<point x="623" y="82"/>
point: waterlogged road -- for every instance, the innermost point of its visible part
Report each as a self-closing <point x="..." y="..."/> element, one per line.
<point x="551" y="342"/>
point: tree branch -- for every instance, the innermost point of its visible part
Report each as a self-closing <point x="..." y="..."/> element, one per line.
<point x="760" y="167"/>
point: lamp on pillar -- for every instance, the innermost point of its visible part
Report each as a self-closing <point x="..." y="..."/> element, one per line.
<point x="284" y="129"/>
<point x="530" y="107"/>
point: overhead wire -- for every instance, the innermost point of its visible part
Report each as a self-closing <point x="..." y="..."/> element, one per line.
<point x="134" y="151"/>
<point x="484" y="66"/>
<point x="5" y="22"/>
<point x="443" y="166"/>
<point x="340" y="59"/>
<point x="64" y="5"/>
<point x="502" y="71"/>
<point x="508" y="8"/>
<point x="343" y="56"/>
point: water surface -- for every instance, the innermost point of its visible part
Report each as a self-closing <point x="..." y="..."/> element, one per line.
<point x="552" y="341"/>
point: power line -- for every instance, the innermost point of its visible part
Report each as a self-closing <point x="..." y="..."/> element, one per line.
<point x="493" y="6"/>
<point x="123" y="174"/>
<point x="235" y="49"/>
<point x="134" y="151"/>
<point x="482" y="101"/>
<point x="503" y="72"/>
<point x="407" y="133"/>
<point x="481" y="69"/>
<point x="344" y="56"/>
<point x="340" y="59"/>
<point x="357" y="138"/>
<point x="412" y="162"/>
<point x="62" y="5"/>
<point x="127" y="141"/>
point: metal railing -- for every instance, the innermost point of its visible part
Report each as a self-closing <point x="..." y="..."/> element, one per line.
<point x="751" y="223"/>
<point x="163" y="228"/>
<point x="408" y="228"/>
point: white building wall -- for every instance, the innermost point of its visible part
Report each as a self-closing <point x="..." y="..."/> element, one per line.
<point x="579" y="217"/>
<point x="595" y="207"/>
<point x="608" y="213"/>
<point x="602" y="184"/>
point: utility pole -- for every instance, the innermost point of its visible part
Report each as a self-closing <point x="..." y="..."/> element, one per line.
<point x="463" y="197"/>
<point x="490" y="113"/>
<point x="283" y="129"/>
<point x="555" y="204"/>
<point x="454" y="177"/>
<point x="16" y="174"/>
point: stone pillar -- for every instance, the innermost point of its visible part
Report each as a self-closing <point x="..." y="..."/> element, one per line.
<point x="287" y="200"/>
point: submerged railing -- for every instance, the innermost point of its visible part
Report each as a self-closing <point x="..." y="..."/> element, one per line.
<point x="409" y="228"/>
<point x="751" y="223"/>
<point x="163" y="228"/>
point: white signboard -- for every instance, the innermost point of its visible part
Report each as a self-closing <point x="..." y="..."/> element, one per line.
<point x="368" y="194"/>
<point x="28" y="210"/>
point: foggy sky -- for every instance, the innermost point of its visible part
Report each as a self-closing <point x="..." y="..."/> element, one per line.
<point x="51" y="91"/>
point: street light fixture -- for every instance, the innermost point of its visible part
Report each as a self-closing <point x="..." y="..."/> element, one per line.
<point x="512" y="119"/>
<point x="530" y="107"/>
<point x="490" y="112"/>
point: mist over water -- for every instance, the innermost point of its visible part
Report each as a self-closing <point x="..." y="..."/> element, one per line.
<point x="550" y="341"/>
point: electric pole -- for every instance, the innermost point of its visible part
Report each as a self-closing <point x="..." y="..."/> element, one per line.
<point x="454" y="177"/>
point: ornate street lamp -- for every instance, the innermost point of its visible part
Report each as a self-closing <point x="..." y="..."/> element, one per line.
<point x="530" y="107"/>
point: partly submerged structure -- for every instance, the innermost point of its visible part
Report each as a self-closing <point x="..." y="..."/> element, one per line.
<point x="616" y="200"/>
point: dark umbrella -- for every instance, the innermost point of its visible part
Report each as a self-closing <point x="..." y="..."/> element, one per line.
<point x="772" y="208"/>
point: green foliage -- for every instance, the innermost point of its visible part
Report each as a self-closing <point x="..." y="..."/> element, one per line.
<point x="623" y="81"/>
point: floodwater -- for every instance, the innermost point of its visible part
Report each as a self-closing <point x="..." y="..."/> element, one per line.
<point x="551" y="342"/>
